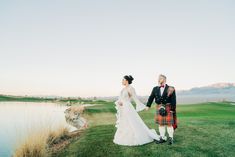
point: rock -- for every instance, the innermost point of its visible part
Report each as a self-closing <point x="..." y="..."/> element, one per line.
<point x="73" y="116"/>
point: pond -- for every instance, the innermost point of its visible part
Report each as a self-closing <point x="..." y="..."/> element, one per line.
<point x="18" y="119"/>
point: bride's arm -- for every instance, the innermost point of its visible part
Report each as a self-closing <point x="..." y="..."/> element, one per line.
<point x="119" y="102"/>
<point x="139" y="105"/>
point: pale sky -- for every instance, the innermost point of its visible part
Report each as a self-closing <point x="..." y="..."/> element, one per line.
<point x="84" y="48"/>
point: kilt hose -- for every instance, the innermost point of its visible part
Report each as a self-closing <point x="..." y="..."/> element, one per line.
<point x="165" y="120"/>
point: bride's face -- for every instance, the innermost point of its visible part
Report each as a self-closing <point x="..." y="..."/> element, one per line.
<point x="124" y="82"/>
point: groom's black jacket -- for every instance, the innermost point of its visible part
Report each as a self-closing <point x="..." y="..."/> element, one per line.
<point x="164" y="99"/>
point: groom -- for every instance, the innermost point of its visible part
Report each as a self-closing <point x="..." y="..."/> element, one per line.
<point x="165" y="115"/>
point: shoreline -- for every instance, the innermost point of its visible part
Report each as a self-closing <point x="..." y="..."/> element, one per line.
<point x="58" y="147"/>
<point x="101" y="114"/>
<point x="49" y="142"/>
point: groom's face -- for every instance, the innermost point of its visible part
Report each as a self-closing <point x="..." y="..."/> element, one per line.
<point x="161" y="80"/>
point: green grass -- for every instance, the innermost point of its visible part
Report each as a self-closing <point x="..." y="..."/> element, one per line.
<point x="23" y="98"/>
<point x="68" y="100"/>
<point x="204" y="130"/>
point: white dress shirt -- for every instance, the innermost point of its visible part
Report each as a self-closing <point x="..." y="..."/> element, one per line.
<point x="162" y="89"/>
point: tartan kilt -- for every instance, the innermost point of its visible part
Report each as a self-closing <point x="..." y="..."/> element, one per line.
<point x="164" y="120"/>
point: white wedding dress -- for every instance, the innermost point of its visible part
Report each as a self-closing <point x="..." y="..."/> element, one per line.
<point x="131" y="130"/>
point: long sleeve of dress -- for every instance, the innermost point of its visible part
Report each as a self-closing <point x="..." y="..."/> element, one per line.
<point x="139" y="105"/>
<point x="117" y="106"/>
<point x="119" y="99"/>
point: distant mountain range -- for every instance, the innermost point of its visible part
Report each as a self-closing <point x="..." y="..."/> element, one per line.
<point x="214" y="92"/>
<point x="218" y="88"/>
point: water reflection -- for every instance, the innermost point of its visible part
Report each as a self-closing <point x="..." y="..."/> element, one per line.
<point x="18" y="119"/>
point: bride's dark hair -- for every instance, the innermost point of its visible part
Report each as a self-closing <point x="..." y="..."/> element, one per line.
<point x="129" y="78"/>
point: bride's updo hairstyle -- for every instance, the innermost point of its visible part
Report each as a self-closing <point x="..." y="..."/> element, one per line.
<point x="129" y="78"/>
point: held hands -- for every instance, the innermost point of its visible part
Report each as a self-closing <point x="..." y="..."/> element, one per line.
<point x="147" y="108"/>
<point x="120" y="103"/>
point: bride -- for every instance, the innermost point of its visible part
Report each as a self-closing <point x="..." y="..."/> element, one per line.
<point x="131" y="130"/>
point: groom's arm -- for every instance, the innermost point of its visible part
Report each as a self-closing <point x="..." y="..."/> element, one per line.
<point x="173" y="101"/>
<point x="151" y="98"/>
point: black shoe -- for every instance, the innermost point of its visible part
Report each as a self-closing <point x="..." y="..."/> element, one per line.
<point x="170" y="141"/>
<point x="160" y="141"/>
